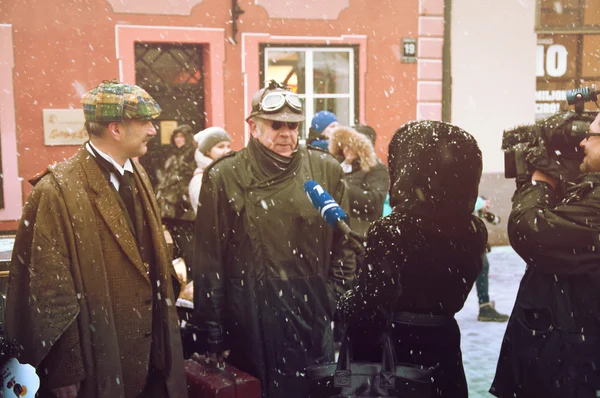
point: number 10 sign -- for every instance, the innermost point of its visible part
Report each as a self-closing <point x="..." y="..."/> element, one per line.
<point x="409" y="50"/>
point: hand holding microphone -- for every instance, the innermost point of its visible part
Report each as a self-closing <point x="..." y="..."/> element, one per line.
<point x="331" y="211"/>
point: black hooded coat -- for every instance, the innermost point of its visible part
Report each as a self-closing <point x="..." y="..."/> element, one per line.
<point x="424" y="257"/>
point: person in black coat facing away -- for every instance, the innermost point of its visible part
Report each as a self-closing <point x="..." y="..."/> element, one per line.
<point x="422" y="259"/>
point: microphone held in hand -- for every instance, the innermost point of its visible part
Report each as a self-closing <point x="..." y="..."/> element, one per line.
<point x="330" y="210"/>
<point x="325" y="204"/>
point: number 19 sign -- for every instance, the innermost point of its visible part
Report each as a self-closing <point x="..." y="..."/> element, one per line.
<point x="409" y="50"/>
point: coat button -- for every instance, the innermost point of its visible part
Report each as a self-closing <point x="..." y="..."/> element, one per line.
<point x="148" y="334"/>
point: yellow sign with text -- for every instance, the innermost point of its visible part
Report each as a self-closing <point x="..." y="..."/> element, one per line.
<point x="64" y="127"/>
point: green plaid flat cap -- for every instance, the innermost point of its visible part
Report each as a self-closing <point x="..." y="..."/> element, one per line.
<point x="113" y="101"/>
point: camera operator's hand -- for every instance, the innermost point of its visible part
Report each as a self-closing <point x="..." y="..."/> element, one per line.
<point x="542" y="177"/>
<point x="552" y="165"/>
<point x="557" y="151"/>
<point x="558" y="134"/>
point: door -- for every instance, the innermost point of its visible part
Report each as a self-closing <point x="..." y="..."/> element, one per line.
<point x="172" y="74"/>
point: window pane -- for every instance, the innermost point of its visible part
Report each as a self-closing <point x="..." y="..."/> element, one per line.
<point x="339" y="106"/>
<point x="331" y="72"/>
<point x="561" y="13"/>
<point x="591" y="56"/>
<point x="287" y="67"/>
<point x="592" y="12"/>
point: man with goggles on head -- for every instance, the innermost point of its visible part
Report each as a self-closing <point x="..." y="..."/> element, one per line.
<point x="268" y="269"/>
<point x="275" y="117"/>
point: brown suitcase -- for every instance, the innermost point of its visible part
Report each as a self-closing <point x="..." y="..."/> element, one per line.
<point x="205" y="380"/>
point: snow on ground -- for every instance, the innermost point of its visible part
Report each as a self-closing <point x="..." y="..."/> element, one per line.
<point x="481" y="340"/>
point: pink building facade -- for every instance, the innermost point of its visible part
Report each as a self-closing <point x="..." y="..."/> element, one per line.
<point x="203" y="60"/>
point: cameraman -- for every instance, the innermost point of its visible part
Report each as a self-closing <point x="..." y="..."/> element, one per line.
<point x="552" y="343"/>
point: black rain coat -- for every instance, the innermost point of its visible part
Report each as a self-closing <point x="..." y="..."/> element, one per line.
<point x="367" y="192"/>
<point x="268" y="268"/>
<point x="552" y="342"/>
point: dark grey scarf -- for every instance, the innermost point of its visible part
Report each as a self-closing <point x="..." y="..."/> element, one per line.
<point x="268" y="162"/>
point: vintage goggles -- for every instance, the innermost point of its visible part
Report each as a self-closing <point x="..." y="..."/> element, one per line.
<point x="275" y="101"/>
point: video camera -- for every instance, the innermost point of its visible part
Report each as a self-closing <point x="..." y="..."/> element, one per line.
<point x="551" y="145"/>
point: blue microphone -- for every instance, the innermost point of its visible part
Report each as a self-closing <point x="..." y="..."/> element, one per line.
<point x="327" y="206"/>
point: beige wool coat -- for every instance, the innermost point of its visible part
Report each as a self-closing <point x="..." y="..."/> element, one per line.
<point x="76" y="266"/>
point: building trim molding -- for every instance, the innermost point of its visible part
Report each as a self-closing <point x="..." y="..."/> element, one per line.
<point x="303" y="9"/>
<point x="214" y="57"/>
<point x="430" y="62"/>
<point x="154" y="7"/>
<point x="12" y="183"/>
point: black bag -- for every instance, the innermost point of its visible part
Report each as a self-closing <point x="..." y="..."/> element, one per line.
<point x="349" y="379"/>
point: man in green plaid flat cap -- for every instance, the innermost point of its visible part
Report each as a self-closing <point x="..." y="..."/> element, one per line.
<point x="91" y="292"/>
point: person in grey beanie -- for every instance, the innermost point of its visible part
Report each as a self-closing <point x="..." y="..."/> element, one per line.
<point x="213" y="143"/>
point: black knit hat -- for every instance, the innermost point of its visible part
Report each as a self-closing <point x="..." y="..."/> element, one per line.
<point x="366" y="130"/>
<point x="435" y="167"/>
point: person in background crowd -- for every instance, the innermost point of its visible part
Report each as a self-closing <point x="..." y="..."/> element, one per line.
<point x="372" y="135"/>
<point x="368" y="132"/>
<point x="551" y="347"/>
<point x="91" y="288"/>
<point x="487" y="310"/>
<point x="268" y="268"/>
<point x="213" y="143"/>
<point x="172" y="192"/>
<point x="421" y="260"/>
<point x="322" y="125"/>
<point x="368" y="179"/>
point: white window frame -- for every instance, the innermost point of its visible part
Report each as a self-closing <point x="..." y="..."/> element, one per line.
<point x="309" y="96"/>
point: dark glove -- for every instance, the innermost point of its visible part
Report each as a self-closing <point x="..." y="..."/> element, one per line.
<point x="563" y="169"/>
<point x="556" y="151"/>
<point x="214" y="338"/>
<point x="345" y="306"/>
<point x="561" y="131"/>
<point x="358" y="243"/>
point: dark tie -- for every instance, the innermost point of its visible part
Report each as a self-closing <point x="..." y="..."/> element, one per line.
<point x="126" y="184"/>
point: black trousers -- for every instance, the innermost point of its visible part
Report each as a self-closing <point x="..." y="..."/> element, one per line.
<point x="156" y="386"/>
